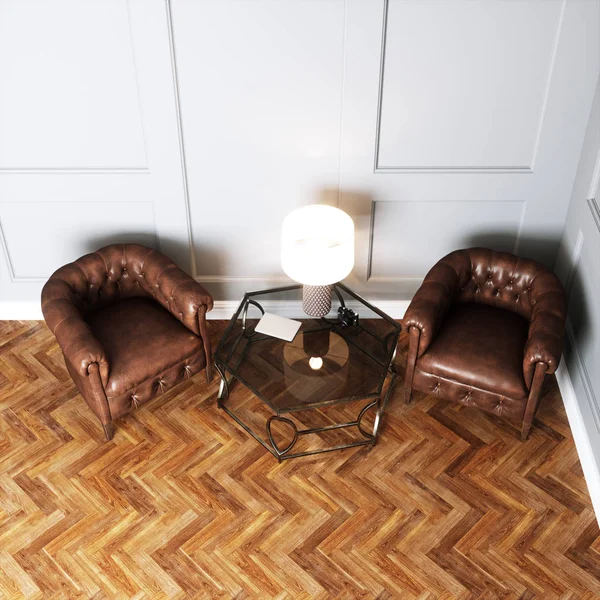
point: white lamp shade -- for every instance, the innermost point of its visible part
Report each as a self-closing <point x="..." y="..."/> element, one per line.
<point x="317" y="245"/>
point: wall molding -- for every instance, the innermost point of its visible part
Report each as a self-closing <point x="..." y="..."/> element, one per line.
<point x="371" y="235"/>
<point x="12" y="272"/>
<point x="595" y="211"/>
<point x="575" y="258"/>
<point x="97" y="170"/>
<point x="583" y="444"/>
<point x="526" y="170"/>
<point x="180" y="136"/>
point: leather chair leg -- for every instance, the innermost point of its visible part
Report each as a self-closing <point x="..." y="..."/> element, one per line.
<point x="109" y="431"/>
<point x="413" y="347"/>
<point x="208" y="371"/>
<point x="534" y="397"/>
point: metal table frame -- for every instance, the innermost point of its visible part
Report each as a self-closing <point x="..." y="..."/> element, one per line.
<point x="379" y="404"/>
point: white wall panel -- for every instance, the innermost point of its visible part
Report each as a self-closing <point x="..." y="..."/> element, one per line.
<point x="465" y="100"/>
<point x="69" y="96"/>
<point x="408" y="238"/>
<point x="261" y="89"/>
<point x="59" y="232"/>
<point x="464" y="83"/>
<point x="90" y="151"/>
<point x="224" y="115"/>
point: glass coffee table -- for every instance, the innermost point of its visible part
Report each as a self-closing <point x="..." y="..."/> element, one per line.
<point x="311" y="384"/>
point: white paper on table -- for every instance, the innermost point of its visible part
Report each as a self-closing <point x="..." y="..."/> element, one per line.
<point x="279" y="327"/>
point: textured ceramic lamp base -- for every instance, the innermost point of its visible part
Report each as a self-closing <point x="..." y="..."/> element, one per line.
<point x="316" y="300"/>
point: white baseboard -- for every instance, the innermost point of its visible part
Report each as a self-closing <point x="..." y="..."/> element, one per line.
<point x="21" y="311"/>
<point x="223" y="309"/>
<point x="580" y="435"/>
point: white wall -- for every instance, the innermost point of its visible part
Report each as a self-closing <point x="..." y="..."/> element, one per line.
<point x="197" y="126"/>
<point x="578" y="266"/>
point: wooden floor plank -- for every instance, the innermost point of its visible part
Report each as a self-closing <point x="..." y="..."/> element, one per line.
<point x="183" y="503"/>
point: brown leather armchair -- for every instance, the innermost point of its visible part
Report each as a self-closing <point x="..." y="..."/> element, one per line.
<point x="131" y="324"/>
<point x="484" y="330"/>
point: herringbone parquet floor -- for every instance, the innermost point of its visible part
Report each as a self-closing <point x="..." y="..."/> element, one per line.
<point x="183" y="503"/>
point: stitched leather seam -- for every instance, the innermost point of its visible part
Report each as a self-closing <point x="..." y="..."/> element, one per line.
<point x="74" y="339"/>
<point x="143" y="264"/>
<point x="152" y="376"/>
<point x="103" y="260"/>
<point x="84" y="273"/>
<point x="63" y="320"/>
<point x="473" y="387"/>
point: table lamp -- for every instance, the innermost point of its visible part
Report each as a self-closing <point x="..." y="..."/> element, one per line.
<point x="317" y="250"/>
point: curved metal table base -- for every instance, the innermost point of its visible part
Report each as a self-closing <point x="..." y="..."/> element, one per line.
<point x="285" y="453"/>
<point x="377" y="403"/>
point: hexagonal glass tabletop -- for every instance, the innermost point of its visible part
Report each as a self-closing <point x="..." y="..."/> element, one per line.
<point x="326" y="363"/>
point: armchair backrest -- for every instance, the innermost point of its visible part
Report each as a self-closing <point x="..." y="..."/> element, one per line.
<point x="504" y="280"/>
<point x="121" y="271"/>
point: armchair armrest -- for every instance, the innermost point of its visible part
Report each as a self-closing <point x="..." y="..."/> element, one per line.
<point x="80" y="347"/>
<point x="181" y="295"/>
<point x="175" y="290"/>
<point x="546" y="332"/>
<point x="431" y="302"/>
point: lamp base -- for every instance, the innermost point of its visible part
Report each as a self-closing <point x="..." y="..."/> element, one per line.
<point x="316" y="300"/>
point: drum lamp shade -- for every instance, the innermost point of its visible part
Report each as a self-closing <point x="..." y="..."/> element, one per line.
<point x="317" y="245"/>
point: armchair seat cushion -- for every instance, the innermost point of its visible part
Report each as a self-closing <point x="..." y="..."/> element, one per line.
<point x="480" y="346"/>
<point x="148" y="350"/>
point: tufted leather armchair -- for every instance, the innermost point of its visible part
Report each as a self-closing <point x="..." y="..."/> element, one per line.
<point x="484" y="330"/>
<point x="130" y="323"/>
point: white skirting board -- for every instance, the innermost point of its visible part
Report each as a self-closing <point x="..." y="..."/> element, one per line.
<point x="21" y="311"/>
<point x="223" y="309"/>
<point x="580" y="435"/>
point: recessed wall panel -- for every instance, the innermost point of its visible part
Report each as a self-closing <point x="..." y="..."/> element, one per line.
<point x="464" y="83"/>
<point x="40" y="237"/>
<point x="408" y="238"/>
<point x="69" y="97"/>
<point x="261" y="89"/>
